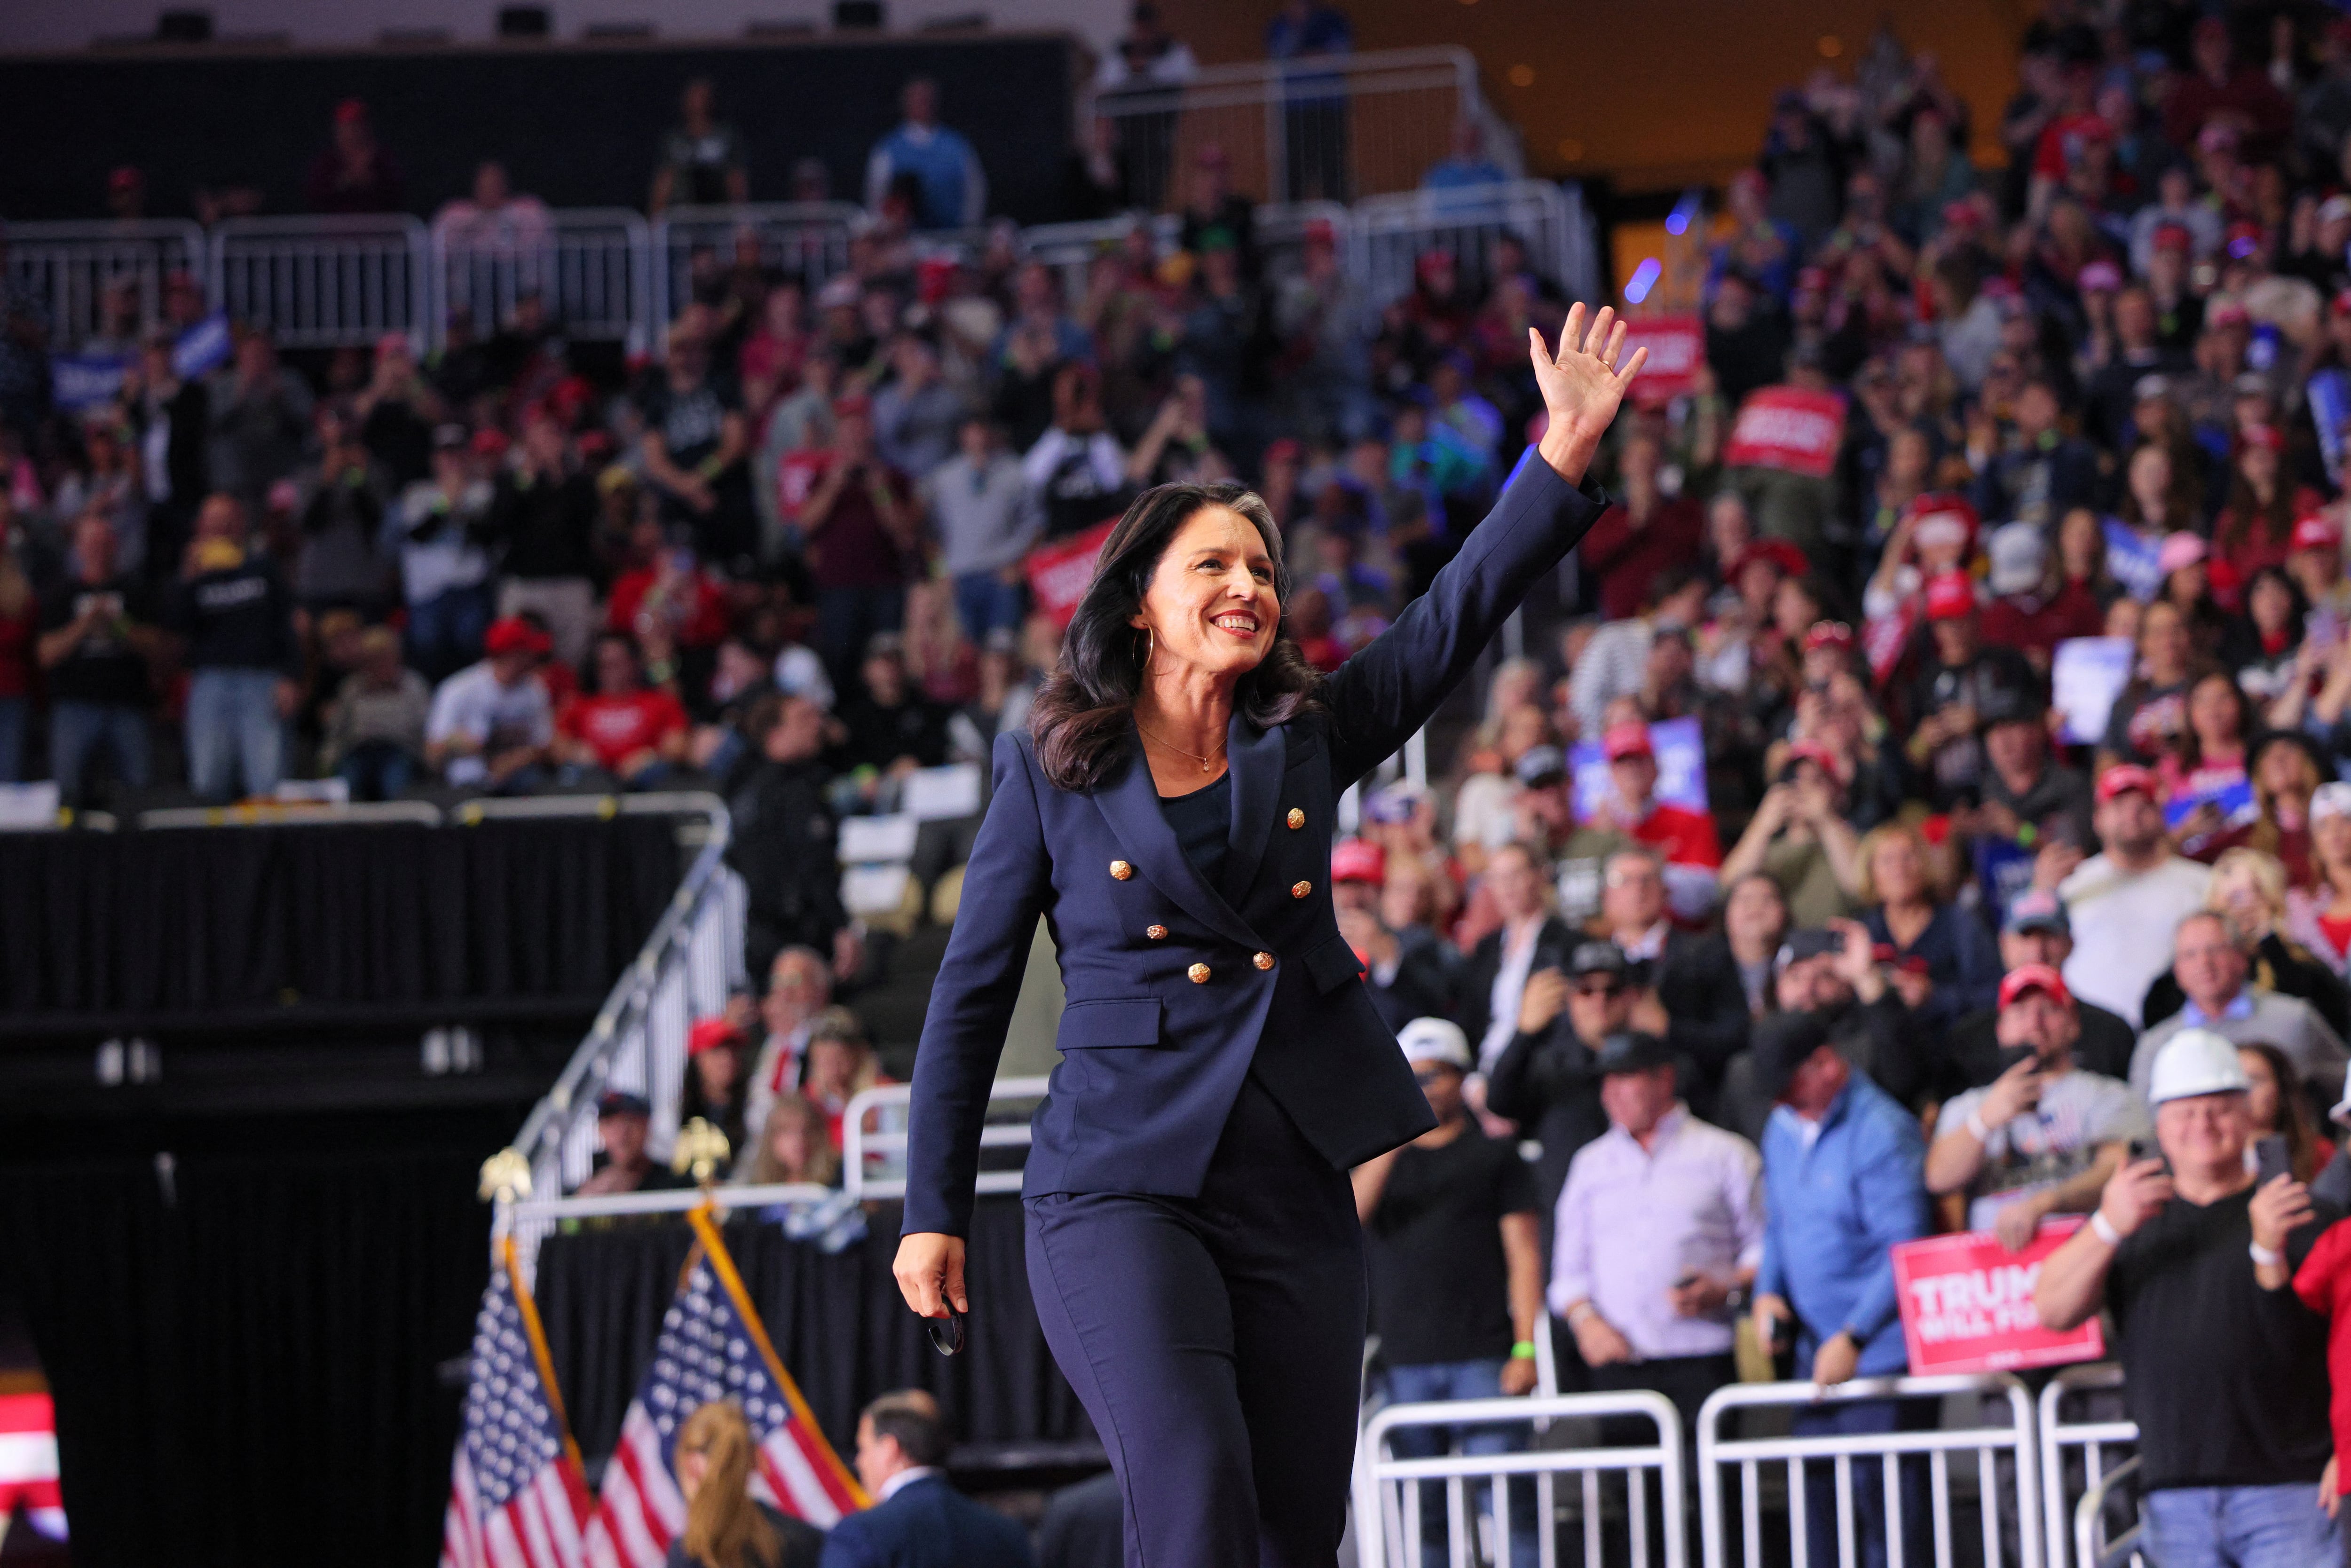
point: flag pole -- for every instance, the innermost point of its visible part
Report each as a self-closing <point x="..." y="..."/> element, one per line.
<point x="706" y="1231"/>
<point x="536" y="1334"/>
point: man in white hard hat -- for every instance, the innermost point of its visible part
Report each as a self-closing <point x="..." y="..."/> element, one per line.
<point x="1451" y="1231"/>
<point x="2224" y="1368"/>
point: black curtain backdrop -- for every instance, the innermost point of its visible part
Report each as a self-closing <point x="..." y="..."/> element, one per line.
<point x="243" y="1346"/>
<point x="578" y="127"/>
<point x="838" y="1321"/>
<point x="214" y="927"/>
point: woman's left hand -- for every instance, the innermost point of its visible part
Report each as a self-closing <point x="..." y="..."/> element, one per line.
<point x="1582" y="386"/>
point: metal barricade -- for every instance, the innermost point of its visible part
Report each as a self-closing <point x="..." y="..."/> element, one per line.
<point x="1986" y="1442"/>
<point x="1326" y="129"/>
<point x="533" y="1220"/>
<point x="1391" y="233"/>
<point x="68" y="267"/>
<point x="806" y="241"/>
<point x="2091" y="1547"/>
<point x="2060" y="1439"/>
<point x="325" y="282"/>
<point x="1614" y="1522"/>
<point x="873" y="1137"/>
<point x="1070" y="249"/>
<point x="688" y="965"/>
<point x="592" y="266"/>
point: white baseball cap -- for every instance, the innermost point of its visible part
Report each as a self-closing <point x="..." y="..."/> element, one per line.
<point x="2196" y="1061"/>
<point x="1435" y="1040"/>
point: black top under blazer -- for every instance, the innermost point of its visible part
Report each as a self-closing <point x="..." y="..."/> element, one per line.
<point x="1175" y="991"/>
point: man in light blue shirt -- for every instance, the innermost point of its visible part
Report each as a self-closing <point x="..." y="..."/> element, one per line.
<point x="1843" y="1182"/>
<point x="952" y="189"/>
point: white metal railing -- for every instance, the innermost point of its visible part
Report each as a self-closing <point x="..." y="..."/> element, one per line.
<point x="532" y="1220"/>
<point x="2093" y="1439"/>
<point x="872" y="1157"/>
<point x="592" y="266"/>
<point x="68" y="267"/>
<point x="325" y="282"/>
<point x="1390" y="1516"/>
<point x="637" y="1044"/>
<point x="1389" y="233"/>
<point x="807" y="241"/>
<point x="1326" y="127"/>
<point x="2091" y="1547"/>
<point x="1987" y="1442"/>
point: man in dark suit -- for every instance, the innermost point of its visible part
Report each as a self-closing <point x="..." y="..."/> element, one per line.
<point x="917" y="1520"/>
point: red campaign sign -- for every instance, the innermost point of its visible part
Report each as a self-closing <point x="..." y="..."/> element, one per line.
<point x="1790" y="429"/>
<point x="1676" y="346"/>
<point x="1058" y="572"/>
<point x="1967" y="1305"/>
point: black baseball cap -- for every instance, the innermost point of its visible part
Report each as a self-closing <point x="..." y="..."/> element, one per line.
<point x="1780" y="1045"/>
<point x="1632" y="1051"/>
<point x="620" y="1102"/>
<point x="1597" y="958"/>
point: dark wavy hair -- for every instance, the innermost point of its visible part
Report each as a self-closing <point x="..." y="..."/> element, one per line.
<point x="1080" y="718"/>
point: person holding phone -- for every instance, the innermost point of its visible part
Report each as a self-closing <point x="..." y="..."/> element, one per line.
<point x="2046" y="1134"/>
<point x="1193" y="1252"/>
<point x="2224" y="1368"/>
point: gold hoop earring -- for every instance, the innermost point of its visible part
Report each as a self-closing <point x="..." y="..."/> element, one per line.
<point x="1150" y="648"/>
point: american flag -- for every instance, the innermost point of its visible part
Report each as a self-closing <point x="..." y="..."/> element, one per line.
<point x="28" y="1463"/>
<point x="712" y="1346"/>
<point x="517" y="1496"/>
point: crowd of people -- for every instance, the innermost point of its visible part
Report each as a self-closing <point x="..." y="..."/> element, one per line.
<point x="1947" y="833"/>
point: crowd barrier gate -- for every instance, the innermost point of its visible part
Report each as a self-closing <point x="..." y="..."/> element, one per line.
<point x="65" y="268"/>
<point x="2061" y="1440"/>
<point x="2015" y="1438"/>
<point x="592" y="266"/>
<point x="325" y="282"/>
<point x="1389" y="1518"/>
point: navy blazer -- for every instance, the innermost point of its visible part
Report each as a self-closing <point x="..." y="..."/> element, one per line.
<point x="1174" y="993"/>
<point x="927" y="1524"/>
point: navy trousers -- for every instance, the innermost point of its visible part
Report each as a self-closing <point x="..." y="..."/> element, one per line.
<point x="1218" y="1342"/>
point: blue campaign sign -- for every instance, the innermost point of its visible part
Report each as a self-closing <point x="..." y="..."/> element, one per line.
<point x="2132" y="556"/>
<point x="2330" y="410"/>
<point x="81" y="381"/>
<point x="2235" y="800"/>
<point x="202" y="348"/>
<point x="1681" y="768"/>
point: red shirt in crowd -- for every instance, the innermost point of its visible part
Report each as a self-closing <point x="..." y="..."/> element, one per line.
<point x="617" y="727"/>
<point x="2033" y="625"/>
<point x="2323" y="1283"/>
<point x="16" y="654"/>
<point x="1626" y="559"/>
<point x="690" y="608"/>
<point x="1683" y="836"/>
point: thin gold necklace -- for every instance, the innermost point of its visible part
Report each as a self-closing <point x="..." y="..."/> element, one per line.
<point x="1207" y="764"/>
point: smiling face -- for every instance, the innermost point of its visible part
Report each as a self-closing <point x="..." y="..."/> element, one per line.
<point x="1210" y="606"/>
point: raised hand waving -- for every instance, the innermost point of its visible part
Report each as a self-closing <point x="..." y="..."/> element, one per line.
<point x="1582" y="386"/>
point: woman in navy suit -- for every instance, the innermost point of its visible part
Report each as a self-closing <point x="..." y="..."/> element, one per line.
<point x="1193" y="1248"/>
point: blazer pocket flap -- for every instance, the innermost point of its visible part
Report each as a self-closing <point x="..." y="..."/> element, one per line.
<point x="1132" y="1021"/>
<point x="1332" y="965"/>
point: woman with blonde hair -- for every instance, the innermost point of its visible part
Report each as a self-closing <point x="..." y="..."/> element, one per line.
<point x="794" y="1146"/>
<point x="2319" y="917"/>
<point x="725" y="1526"/>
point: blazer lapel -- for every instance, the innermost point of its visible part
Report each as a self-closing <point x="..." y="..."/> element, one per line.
<point x="1257" y="757"/>
<point x="1130" y="804"/>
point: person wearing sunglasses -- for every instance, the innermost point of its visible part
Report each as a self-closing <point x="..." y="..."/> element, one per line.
<point x="1546" y="1080"/>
